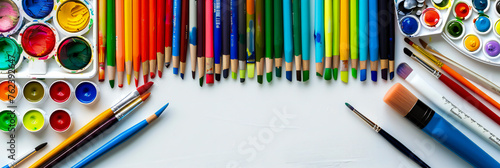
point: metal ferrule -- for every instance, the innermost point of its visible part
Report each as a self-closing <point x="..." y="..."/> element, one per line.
<point x="429" y="68"/>
<point x="21" y="159"/>
<point x="124" y="101"/>
<point x="367" y="121"/>
<point x="127" y="109"/>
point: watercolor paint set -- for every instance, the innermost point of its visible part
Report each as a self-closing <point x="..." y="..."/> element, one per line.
<point x="475" y="30"/>
<point x="422" y="17"/>
<point x="35" y="120"/>
<point x="48" y="39"/>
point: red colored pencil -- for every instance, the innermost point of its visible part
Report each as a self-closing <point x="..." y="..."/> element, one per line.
<point x="160" y="41"/>
<point x="152" y="38"/>
<point x="136" y="30"/>
<point x="145" y="39"/>
<point x="184" y="36"/>
<point x="168" y="31"/>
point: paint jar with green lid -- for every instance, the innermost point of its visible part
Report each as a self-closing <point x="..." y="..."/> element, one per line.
<point x="35" y="91"/>
<point x="34" y="120"/>
<point x="74" y="54"/>
<point x="455" y="29"/>
<point x="9" y="120"/>
<point x="10" y="54"/>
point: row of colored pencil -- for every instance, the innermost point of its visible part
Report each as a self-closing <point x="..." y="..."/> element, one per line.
<point x="246" y="36"/>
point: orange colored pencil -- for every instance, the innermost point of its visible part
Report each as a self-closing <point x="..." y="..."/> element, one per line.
<point x="160" y="41"/>
<point x="152" y="38"/>
<point x="102" y="39"/>
<point x="136" y="51"/>
<point x="144" y="39"/>
<point x="120" y="42"/>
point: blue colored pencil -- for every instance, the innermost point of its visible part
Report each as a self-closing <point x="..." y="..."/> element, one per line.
<point x="373" y="38"/>
<point x="319" y="36"/>
<point x="217" y="38"/>
<point x="288" y="37"/>
<point x="176" y="36"/>
<point x="234" y="38"/>
<point x="305" y="21"/>
<point x="119" y="139"/>
<point x="363" y="37"/>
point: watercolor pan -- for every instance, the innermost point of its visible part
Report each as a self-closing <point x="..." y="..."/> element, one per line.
<point x="74" y="54"/>
<point x="42" y="67"/>
<point x="484" y="25"/>
<point x="87" y="92"/>
<point x="9" y="120"/>
<point x="35" y="91"/>
<point x="61" y="91"/>
<point x="60" y="120"/>
<point x="10" y="91"/>
<point x="11" y="18"/>
<point x="34" y="120"/>
<point x="10" y="54"/>
<point x="429" y="22"/>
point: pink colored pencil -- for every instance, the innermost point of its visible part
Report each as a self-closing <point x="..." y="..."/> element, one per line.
<point x="209" y="40"/>
<point x="160" y="41"/>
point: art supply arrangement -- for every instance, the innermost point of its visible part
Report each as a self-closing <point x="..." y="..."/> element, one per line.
<point x="422" y="17"/>
<point x="475" y="30"/>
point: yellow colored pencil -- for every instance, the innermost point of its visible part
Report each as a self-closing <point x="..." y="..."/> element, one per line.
<point x="344" y="40"/>
<point x="128" y="38"/>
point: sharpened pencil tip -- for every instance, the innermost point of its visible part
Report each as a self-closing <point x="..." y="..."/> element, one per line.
<point x="120" y="85"/>
<point x="305" y="75"/>
<point x="234" y="75"/>
<point x="167" y="65"/>
<point x="201" y="81"/>
<point x="374" y="76"/>
<point x="278" y="72"/>
<point x="299" y="76"/>
<point x="176" y="71"/>
<point x="217" y="77"/>
<point x="391" y="75"/>
<point x="269" y="77"/>
<point x="318" y="74"/>
<point x="128" y="79"/>
<point x="289" y="75"/>
<point x="260" y="79"/>
<point x="160" y="74"/>
<point x="225" y="73"/>
<point x="384" y="74"/>
<point x="335" y="73"/>
<point x="354" y="73"/>
<point x="362" y="76"/>
<point x="152" y="74"/>
<point x="145" y="78"/>
<point x="182" y="76"/>
<point x="193" y="73"/>
<point x="159" y="112"/>
<point x="136" y="82"/>
<point x="112" y="83"/>
<point x="328" y="74"/>
<point x="242" y="80"/>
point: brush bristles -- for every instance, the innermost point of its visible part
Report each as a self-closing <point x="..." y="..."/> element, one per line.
<point x="407" y="40"/>
<point x="423" y="43"/>
<point x="408" y="52"/>
<point x="400" y="99"/>
<point x="404" y="70"/>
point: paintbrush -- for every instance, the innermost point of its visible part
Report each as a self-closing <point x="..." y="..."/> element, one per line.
<point x="25" y="156"/>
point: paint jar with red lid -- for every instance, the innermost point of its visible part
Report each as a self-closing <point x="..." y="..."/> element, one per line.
<point x="60" y="120"/>
<point x="61" y="92"/>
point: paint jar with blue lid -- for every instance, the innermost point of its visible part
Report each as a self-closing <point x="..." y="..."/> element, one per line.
<point x="10" y="54"/>
<point x="480" y="6"/>
<point x="87" y="92"/>
<point x="40" y="10"/>
<point x="9" y="120"/>
<point x="482" y="24"/>
<point x="73" y="17"/>
<point x="409" y="25"/>
<point x="11" y="18"/>
<point x="74" y="54"/>
<point x="492" y="49"/>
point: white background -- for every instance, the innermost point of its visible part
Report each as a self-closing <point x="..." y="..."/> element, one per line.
<point x="228" y="124"/>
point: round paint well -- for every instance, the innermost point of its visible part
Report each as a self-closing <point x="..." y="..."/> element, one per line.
<point x="497" y="7"/>
<point x="61" y="91"/>
<point x="38" y="9"/>
<point x="35" y="91"/>
<point x="431" y="18"/>
<point x="472" y="43"/>
<point x="441" y="4"/>
<point x="38" y="40"/>
<point x="87" y="92"/>
<point x="497" y="28"/>
<point x="8" y="120"/>
<point x="73" y="17"/>
<point x="60" y="120"/>
<point x="481" y="5"/>
<point x="482" y="24"/>
<point x="34" y="120"/>
<point x="455" y="29"/>
<point x="10" y="17"/>
<point x="409" y="25"/>
<point x="462" y="10"/>
<point x="10" y="54"/>
<point x="492" y="49"/>
<point x="74" y="54"/>
<point x="9" y="92"/>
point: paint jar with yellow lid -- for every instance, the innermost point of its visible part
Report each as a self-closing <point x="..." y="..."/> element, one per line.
<point x="472" y="43"/>
<point x="73" y="17"/>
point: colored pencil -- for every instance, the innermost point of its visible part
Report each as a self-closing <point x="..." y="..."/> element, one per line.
<point x="336" y="38"/>
<point x="269" y="39"/>
<point x="144" y="39"/>
<point x="373" y="38"/>
<point x="305" y="21"/>
<point x="394" y="142"/>
<point x="98" y="131"/>
<point x="353" y="36"/>
<point x="259" y="39"/>
<point x="128" y="38"/>
<point x="250" y="38"/>
<point x="383" y="32"/>
<point x="200" y="50"/>
<point x="22" y="158"/>
<point x="226" y="36"/>
<point x="242" y="38"/>
<point x="102" y="38"/>
<point x="392" y="39"/>
<point x="363" y="38"/>
<point x="120" y="42"/>
<point x="193" y="39"/>
<point x="160" y="36"/>
<point x="152" y="38"/>
<point x="328" y="40"/>
<point x="101" y="118"/>
<point x="176" y="36"/>
<point x="288" y="38"/>
<point x="169" y="26"/>
<point x="209" y="41"/>
<point x="136" y="19"/>
<point x="184" y="36"/>
<point x="119" y="139"/>
<point x="344" y="40"/>
<point x="111" y="41"/>
<point x="217" y="39"/>
<point x="319" y="36"/>
<point x="278" y="36"/>
<point x="297" y="39"/>
<point x="234" y="38"/>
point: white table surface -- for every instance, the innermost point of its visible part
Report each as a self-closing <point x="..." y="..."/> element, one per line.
<point x="230" y="124"/>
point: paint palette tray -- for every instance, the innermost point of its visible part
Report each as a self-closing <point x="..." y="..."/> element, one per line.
<point x="51" y="44"/>
<point x="422" y="17"/>
<point x="475" y="31"/>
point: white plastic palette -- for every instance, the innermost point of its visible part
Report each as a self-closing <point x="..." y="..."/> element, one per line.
<point x="480" y="54"/>
<point x="423" y="30"/>
<point x="50" y="69"/>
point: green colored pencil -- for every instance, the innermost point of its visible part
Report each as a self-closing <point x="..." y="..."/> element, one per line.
<point x="269" y="39"/>
<point x="336" y="38"/>
<point x="353" y="25"/>
<point x="278" y="36"/>
<point x="111" y="41"/>
<point x="297" y="38"/>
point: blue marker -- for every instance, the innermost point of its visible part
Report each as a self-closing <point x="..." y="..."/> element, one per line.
<point x="363" y="37"/>
<point x="373" y="38"/>
<point x="288" y="38"/>
<point x="217" y="39"/>
<point x="319" y="36"/>
<point x="176" y="36"/>
<point x="305" y="21"/>
<point x="234" y="38"/>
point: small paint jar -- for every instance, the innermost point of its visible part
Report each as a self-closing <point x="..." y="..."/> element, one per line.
<point x="472" y="43"/>
<point x="9" y="120"/>
<point x="38" y="40"/>
<point x="61" y="91"/>
<point x="431" y="18"/>
<point x="34" y="120"/>
<point x="74" y="54"/>
<point x="60" y="120"/>
<point x="10" y="54"/>
<point x="462" y="10"/>
<point x="9" y="92"/>
<point x="87" y="92"/>
<point x="74" y="17"/>
<point x="409" y="25"/>
<point x="481" y="5"/>
<point x="441" y="4"/>
<point x="491" y="49"/>
<point x="482" y="24"/>
<point x="497" y="8"/>
<point x="11" y="18"/>
<point x="41" y="10"/>
<point x="496" y="28"/>
<point x="455" y="29"/>
<point x="35" y="91"/>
